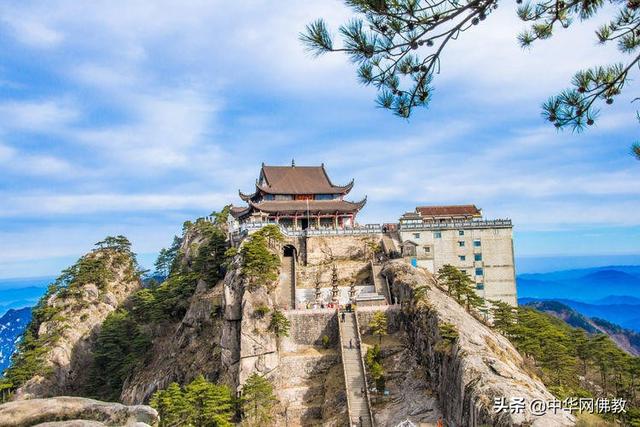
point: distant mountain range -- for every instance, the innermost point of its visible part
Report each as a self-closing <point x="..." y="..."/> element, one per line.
<point x="587" y="285"/>
<point x="625" y="315"/>
<point x="610" y="293"/>
<point x="12" y="325"/>
<point x="626" y="339"/>
<point x="19" y="293"/>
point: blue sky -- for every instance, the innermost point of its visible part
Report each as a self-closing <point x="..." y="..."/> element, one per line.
<point x="131" y="117"/>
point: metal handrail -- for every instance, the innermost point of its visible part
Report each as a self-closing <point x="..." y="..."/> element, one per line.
<point x="456" y="225"/>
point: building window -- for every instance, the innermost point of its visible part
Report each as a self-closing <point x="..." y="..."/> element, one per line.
<point x="416" y="235"/>
<point x="476" y="243"/>
<point x="324" y="196"/>
<point x="427" y="249"/>
<point x="479" y="272"/>
<point x="479" y="286"/>
<point x="461" y="243"/>
<point x="462" y="257"/>
<point x="477" y="257"/>
<point x="268" y="197"/>
<point x="460" y="232"/>
<point x="437" y="235"/>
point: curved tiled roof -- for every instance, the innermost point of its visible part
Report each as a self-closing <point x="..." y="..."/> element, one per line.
<point x="299" y="180"/>
<point x="238" y="211"/>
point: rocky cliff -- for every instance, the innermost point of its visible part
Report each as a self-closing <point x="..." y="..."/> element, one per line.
<point x="66" y="322"/>
<point x="468" y="372"/>
<point x="74" y="411"/>
<point x="207" y="319"/>
<point x="205" y="340"/>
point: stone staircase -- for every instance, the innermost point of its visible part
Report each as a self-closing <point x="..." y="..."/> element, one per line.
<point x="286" y="284"/>
<point x="355" y="381"/>
<point x="380" y="282"/>
<point x="391" y="242"/>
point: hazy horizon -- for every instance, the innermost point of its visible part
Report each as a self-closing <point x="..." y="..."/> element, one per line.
<point x="524" y="265"/>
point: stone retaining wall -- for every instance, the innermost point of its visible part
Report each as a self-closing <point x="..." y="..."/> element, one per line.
<point x="309" y="326"/>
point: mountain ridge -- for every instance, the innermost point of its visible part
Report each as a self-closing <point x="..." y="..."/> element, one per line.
<point x="626" y="339"/>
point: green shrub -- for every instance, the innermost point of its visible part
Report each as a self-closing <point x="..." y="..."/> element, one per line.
<point x="261" y="311"/>
<point x="326" y="341"/>
<point x="279" y="324"/>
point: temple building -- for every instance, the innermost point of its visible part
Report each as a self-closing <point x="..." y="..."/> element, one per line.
<point x="298" y="197"/>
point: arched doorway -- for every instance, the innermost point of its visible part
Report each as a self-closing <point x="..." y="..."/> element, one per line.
<point x="289" y="251"/>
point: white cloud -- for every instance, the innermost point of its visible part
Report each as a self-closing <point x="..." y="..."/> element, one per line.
<point x="33" y="32"/>
<point x="168" y="130"/>
<point x="166" y="106"/>
<point x="25" y="164"/>
<point x="45" y="115"/>
<point x="80" y="204"/>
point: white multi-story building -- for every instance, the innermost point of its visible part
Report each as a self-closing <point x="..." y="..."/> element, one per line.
<point x="434" y="236"/>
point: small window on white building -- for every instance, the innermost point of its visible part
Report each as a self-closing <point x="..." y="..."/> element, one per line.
<point x="460" y="232"/>
<point x="479" y="271"/>
<point x="477" y="257"/>
<point x="416" y="235"/>
<point x="461" y="243"/>
<point x="437" y="235"/>
<point x="427" y="249"/>
<point x="476" y="243"/>
<point x="462" y="257"/>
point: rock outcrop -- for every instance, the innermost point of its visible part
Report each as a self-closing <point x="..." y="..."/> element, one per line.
<point x="205" y="341"/>
<point x="74" y="411"/>
<point x="478" y="367"/>
<point x="182" y="350"/>
<point x="78" y="319"/>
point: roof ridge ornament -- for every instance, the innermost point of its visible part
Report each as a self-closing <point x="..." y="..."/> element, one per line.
<point x="293" y="163"/>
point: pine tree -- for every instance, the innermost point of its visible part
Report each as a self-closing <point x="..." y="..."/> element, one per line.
<point x="200" y="403"/>
<point x="211" y="404"/>
<point x="397" y="46"/>
<point x="378" y="325"/>
<point x="503" y="315"/>
<point x="259" y="264"/>
<point x="257" y="401"/>
<point x="583" y="351"/>
<point x="420" y="293"/>
<point x="459" y="285"/>
<point x="172" y="406"/>
<point x="120" y="346"/>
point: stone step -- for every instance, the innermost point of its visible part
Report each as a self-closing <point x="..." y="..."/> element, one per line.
<point x="354" y="373"/>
